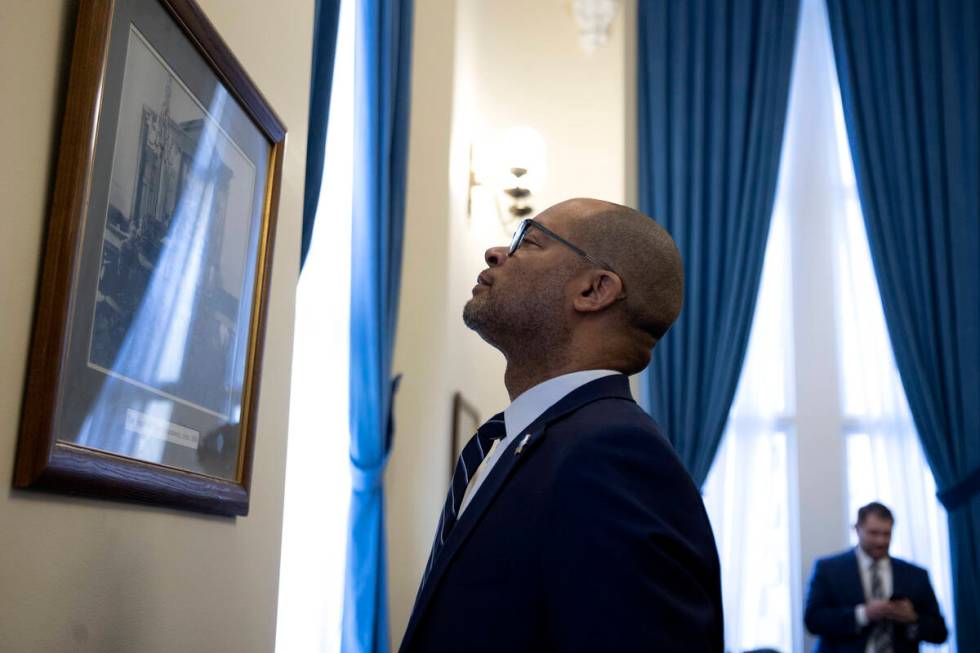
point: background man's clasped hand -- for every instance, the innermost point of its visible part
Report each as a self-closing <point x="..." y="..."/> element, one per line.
<point x="900" y="610"/>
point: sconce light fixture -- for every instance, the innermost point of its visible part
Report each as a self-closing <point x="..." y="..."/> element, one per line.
<point x="594" y="18"/>
<point x="514" y="167"/>
<point x="519" y="207"/>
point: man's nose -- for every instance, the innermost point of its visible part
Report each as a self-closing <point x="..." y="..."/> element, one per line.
<point x="495" y="256"/>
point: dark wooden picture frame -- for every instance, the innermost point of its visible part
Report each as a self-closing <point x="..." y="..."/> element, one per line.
<point x="466" y="420"/>
<point x="50" y="455"/>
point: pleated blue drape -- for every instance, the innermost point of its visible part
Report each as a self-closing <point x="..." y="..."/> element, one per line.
<point x="713" y="82"/>
<point x="910" y="83"/>
<point x="383" y="43"/>
<point x="325" y="19"/>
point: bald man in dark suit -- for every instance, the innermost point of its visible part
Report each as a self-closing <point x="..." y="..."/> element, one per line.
<point x="570" y="523"/>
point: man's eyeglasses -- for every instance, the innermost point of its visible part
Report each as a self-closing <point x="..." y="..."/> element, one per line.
<point x="528" y="223"/>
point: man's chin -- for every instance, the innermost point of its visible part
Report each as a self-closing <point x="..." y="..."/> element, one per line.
<point x="472" y="314"/>
<point x="477" y="315"/>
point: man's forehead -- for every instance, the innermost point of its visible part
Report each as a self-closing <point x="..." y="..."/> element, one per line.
<point x="874" y="521"/>
<point x="567" y="212"/>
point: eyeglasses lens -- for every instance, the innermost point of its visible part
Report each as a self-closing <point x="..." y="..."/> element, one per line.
<point x="515" y="242"/>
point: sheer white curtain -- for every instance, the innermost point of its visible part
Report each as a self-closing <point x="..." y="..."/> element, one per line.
<point x="314" y="534"/>
<point x="885" y="461"/>
<point x="746" y="493"/>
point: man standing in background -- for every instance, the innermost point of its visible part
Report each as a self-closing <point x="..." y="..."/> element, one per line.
<point x="863" y="601"/>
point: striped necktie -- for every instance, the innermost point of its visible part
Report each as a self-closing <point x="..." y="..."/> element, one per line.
<point x="469" y="459"/>
<point x="881" y="632"/>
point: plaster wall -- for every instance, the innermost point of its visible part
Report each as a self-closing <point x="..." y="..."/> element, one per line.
<point x="89" y="575"/>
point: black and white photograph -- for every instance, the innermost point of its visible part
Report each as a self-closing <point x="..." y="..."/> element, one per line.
<point x="174" y="244"/>
<point x="160" y="338"/>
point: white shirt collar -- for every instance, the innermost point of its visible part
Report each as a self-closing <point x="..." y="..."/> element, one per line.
<point x="532" y="403"/>
<point x="864" y="559"/>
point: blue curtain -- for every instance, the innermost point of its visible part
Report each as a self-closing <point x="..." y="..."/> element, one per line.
<point x="325" y="18"/>
<point x="712" y="89"/>
<point x="383" y="44"/>
<point x="910" y="84"/>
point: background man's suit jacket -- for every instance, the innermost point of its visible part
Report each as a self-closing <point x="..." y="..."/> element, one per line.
<point x="835" y="590"/>
<point x="592" y="538"/>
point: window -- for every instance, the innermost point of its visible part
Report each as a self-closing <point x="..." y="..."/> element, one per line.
<point x="312" y="568"/>
<point x="819" y="393"/>
<point x="885" y="461"/>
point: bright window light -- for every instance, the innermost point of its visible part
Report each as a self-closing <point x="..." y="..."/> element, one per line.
<point x="314" y="539"/>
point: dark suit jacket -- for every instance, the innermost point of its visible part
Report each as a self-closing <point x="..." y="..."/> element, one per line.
<point x="592" y="538"/>
<point x="835" y="590"/>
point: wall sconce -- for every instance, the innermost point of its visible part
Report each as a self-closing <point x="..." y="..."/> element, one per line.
<point x="519" y="207"/>
<point x="514" y="168"/>
<point x="594" y="18"/>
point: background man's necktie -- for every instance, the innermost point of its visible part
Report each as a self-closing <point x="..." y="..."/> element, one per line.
<point x="881" y="632"/>
<point x="472" y="455"/>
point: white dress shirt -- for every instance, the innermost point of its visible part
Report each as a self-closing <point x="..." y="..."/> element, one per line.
<point x="529" y="406"/>
<point x="865" y="562"/>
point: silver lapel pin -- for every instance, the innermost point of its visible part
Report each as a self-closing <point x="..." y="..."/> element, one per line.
<point x="520" y="447"/>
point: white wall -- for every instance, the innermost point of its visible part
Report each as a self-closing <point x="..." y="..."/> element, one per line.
<point x="479" y="68"/>
<point x="90" y="575"/>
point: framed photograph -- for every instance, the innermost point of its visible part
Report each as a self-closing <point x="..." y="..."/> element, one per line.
<point x="144" y="369"/>
<point x="466" y="420"/>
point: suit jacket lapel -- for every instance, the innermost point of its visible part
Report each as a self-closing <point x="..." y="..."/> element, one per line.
<point x="900" y="586"/>
<point x="609" y="386"/>
<point x="854" y="586"/>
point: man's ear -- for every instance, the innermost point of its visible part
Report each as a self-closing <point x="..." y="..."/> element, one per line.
<point x="597" y="290"/>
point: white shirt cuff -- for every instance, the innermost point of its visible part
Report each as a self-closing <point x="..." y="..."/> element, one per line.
<point x="861" y="616"/>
